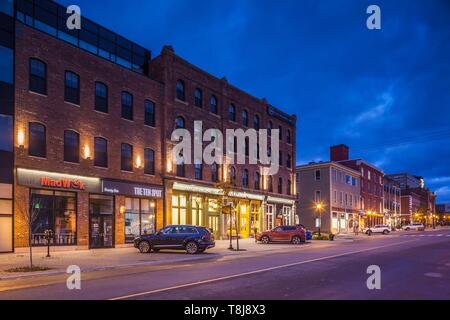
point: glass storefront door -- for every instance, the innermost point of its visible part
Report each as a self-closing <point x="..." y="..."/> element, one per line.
<point x="269" y="223"/>
<point x="213" y="223"/>
<point x="101" y="221"/>
<point x="287" y="216"/>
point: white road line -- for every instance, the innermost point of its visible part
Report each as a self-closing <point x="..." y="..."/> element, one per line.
<point x="255" y="271"/>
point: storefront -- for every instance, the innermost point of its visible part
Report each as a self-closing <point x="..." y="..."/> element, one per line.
<point x="85" y="211"/>
<point x="279" y="212"/>
<point x="138" y="206"/>
<point x="202" y="206"/>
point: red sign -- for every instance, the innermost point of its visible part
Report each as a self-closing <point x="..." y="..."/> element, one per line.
<point x="63" y="183"/>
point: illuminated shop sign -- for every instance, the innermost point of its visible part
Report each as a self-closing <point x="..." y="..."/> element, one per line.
<point x="280" y="201"/>
<point x="131" y="189"/>
<point x="54" y="180"/>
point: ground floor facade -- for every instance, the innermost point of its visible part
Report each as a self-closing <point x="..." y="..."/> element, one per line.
<point x="71" y="211"/>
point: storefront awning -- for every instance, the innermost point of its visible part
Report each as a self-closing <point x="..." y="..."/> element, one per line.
<point x="280" y="201"/>
<point x="215" y="191"/>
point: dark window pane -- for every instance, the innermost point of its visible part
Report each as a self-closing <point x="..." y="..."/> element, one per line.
<point x="180" y="90"/>
<point x="6" y="133"/>
<point x="149" y="167"/>
<point x="232" y="112"/>
<point x="71" y="146"/>
<point x="198" y="168"/>
<point x="198" y="98"/>
<point x="126" y="157"/>
<point x="101" y="97"/>
<point x="213" y="105"/>
<point x="37" y="140"/>
<point x="179" y="123"/>
<point x="38" y="76"/>
<point x="101" y="153"/>
<point x="7" y="6"/>
<point x="127" y="106"/>
<point x="72" y="88"/>
<point x="149" y="113"/>
<point x="6" y="65"/>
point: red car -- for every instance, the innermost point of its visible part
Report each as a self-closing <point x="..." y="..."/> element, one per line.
<point x="294" y="234"/>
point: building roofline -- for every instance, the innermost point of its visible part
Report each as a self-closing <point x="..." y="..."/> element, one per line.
<point x="326" y="164"/>
<point x="365" y="162"/>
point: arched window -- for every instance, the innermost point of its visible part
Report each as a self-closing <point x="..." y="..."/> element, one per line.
<point x="180" y="123"/>
<point x="214" y="172"/>
<point x="288" y="136"/>
<point x="71" y="146"/>
<point x="269" y="128"/>
<point x="245" y="178"/>
<point x="100" y="152"/>
<point x="37" y="140"/>
<point x="149" y="113"/>
<point x="180" y="90"/>
<point x="281" y="132"/>
<point x="127" y="105"/>
<point x="270" y="183"/>
<point x="280" y="185"/>
<point x="232" y="112"/>
<point x="247" y="146"/>
<point x="126" y="157"/>
<point x="245" y="118"/>
<point x="256" y="122"/>
<point x="257" y="181"/>
<point x="38" y="76"/>
<point x="213" y="105"/>
<point x="149" y="161"/>
<point x="198" y="98"/>
<point x="72" y="87"/>
<point x="232" y="175"/>
<point x="289" y="161"/>
<point x="101" y="97"/>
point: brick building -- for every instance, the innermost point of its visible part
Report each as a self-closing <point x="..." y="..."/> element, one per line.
<point x="372" y="208"/>
<point x="87" y="117"/>
<point x="392" y="202"/>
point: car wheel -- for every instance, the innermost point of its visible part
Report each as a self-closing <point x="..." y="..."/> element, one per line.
<point x="369" y="233"/>
<point x="191" y="247"/>
<point x="155" y="250"/>
<point x="296" y="240"/>
<point x="144" y="247"/>
<point x="407" y="229"/>
<point x="386" y="232"/>
<point x="265" y="240"/>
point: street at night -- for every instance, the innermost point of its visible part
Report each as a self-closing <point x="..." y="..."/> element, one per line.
<point x="414" y="265"/>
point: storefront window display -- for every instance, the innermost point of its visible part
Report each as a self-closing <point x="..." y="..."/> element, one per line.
<point x="179" y="209"/>
<point x="56" y="211"/>
<point x="140" y="218"/>
<point x="101" y="220"/>
<point x="197" y="211"/>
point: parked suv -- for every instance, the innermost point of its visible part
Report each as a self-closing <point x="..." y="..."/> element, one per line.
<point x="294" y="234"/>
<point x="193" y="239"/>
<point x="377" y="229"/>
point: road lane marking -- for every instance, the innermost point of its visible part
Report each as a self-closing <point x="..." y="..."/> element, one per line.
<point x="255" y="271"/>
<point x="434" y="275"/>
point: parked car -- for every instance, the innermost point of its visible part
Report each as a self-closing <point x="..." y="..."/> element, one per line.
<point x="294" y="234"/>
<point x="193" y="239"/>
<point x="381" y="228"/>
<point x="414" y="226"/>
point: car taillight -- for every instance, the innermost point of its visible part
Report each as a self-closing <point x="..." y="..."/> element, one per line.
<point x="206" y="237"/>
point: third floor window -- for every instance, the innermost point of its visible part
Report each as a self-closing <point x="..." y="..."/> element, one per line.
<point x="149" y="113"/>
<point x="127" y="106"/>
<point x="72" y="87"/>
<point x="38" y="76"/>
<point x="101" y="153"/>
<point x="38" y="141"/>
<point x="180" y="90"/>
<point x="71" y="146"/>
<point x="101" y="97"/>
<point x="198" y="97"/>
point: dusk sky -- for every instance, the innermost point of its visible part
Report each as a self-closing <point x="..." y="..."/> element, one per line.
<point x="385" y="93"/>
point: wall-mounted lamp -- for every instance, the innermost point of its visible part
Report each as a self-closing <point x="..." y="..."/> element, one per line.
<point x="122" y="209"/>
<point x="138" y="162"/>
<point x="87" y="152"/>
<point x="169" y="166"/>
<point x="152" y="204"/>
<point x="21" y="138"/>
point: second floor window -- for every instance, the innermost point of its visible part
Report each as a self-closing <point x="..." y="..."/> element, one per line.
<point x="280" y="185"/>
<point x="101" y="153"/>
<point x="127" y="106"/>
<point x="71" y="146"/>
<point x="101" y="97"/>
<point x="289" y="161"/>
<point x="232" y="175"/>
<point x="213" y="105"/>
<point x="149" y="113"/>
<point x="256" y="123"/>
<point x="179" y="123"/>
<point x="289" y="187"/>
<point x="270" y="183"/>
<point x="180" y="165"/>
<point x="245" y="118"/>
<point x="214" y="172"/>
<point x="38" y="76"/>
<point x="198" y="168"/>
<point x="317" y="175"/>
<point x="245" y="178"/>
<point x="72" y="87"/>
<point x="288" y="136"/>
<point x="232" y="112"/>
<point x="126" y="157"/>
<point x="198" y="97"/>
<point x="38" y="140"/>
<point x="180" y="90"/>
<point x="149" y="158"/>
<point x="257" y="181"/>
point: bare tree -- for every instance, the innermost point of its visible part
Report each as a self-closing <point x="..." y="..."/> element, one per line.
<point x="29" y="212"/>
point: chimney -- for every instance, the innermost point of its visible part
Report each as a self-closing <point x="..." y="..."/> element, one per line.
<point x="339" y="153"/>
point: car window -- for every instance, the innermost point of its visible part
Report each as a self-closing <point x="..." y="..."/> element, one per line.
<point x="165" y="230"/>
<point x="191" y="230"/>
<point x="278" y="229"/>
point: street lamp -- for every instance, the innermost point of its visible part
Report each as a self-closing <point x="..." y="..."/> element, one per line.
<point x="319" y="207"/>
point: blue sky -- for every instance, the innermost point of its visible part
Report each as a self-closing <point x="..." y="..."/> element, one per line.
<point x="385" y="93"/>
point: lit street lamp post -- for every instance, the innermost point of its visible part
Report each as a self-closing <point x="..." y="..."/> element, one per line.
<point x="319" y="208"/>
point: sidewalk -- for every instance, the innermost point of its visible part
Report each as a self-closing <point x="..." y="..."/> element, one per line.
<point x="104" y="259"/>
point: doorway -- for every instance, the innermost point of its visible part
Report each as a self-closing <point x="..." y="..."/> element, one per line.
<point x="101" y="221"/>
<point x="213" y="223"/>
<point x="270" y="217"/>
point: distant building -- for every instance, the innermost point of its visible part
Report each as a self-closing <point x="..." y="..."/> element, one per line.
<point x="371" y="185"/>
<point x="328" y="196"/>
<point x="443" y="208"/>
<point x="407" y="181"/>
<point x="392" y="201"/>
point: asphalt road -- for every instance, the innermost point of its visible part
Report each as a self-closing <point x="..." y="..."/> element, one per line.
<point x="413" y="265"/>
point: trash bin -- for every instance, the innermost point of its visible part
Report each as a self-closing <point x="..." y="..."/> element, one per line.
<point x="308" y="235"/>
